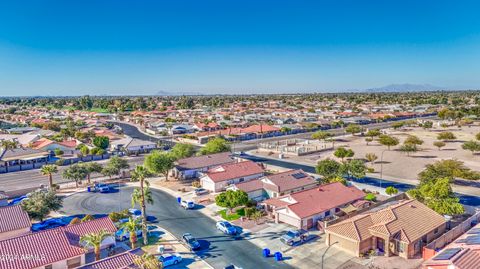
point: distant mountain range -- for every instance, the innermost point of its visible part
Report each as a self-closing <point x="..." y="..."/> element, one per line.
<point x="166" y="93"/>
<point x="407" y="88"/>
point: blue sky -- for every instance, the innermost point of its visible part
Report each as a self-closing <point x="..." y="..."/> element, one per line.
<point x="229" y="46"/>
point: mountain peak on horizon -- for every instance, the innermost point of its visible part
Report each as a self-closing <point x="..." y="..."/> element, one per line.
<point x="406" y="87"/>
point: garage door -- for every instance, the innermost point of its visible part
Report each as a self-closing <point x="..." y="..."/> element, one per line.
<point x="289" y="220"/>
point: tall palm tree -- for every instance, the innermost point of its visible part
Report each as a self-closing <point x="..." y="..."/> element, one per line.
<point x="95" y="240"/>
<point x="8" y="144"/>
<point x="131" y="227"/>
<point x="49" y="170"/>
<point x="138" y="196"/>
<point x="148" y="261"/>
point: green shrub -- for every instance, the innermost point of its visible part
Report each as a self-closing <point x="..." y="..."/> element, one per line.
<point x="370" y="197"/>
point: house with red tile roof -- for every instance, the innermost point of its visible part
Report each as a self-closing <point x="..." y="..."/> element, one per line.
<point x="276" y="185"/>
<point x="122" y="260"/>
<point x="50" y="145"/>
<point x="219" y="178"/>
<point x="14" y="221"/>
<point x="303" y="209"/>
<point x="54" y="248"/>
<point x="401" y="229"/>
<point x="462" y="253"/>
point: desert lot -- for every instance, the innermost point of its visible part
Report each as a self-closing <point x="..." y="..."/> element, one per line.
<point x="397" y="164"/>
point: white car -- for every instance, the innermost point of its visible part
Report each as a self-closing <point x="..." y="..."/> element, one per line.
<point x="226" y="227"/>
<point x="170" y="259"/>
<point x="187" y="204"/>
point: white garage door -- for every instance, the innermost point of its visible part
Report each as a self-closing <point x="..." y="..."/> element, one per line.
<point x="289" y="220"/>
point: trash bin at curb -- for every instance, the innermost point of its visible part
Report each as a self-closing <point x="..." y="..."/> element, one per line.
<point x="266" y="252"/>
<point x="161" y="249"/>
<point x="89" y="189"/>
<point x="278" y="256"/>
<point x="179" y="200"/>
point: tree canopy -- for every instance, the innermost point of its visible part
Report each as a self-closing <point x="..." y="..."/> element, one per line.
<point x="215" y="145"/>
<point x="101" y="142"/>
<point x="158" y="162"/>
<point x="181" y="150"/>
<point x="388" y="141"/>
<point x="39" y="204"/>
<point x="231" y="199"/>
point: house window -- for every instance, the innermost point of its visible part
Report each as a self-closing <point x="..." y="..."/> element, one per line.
<point x="399" y="246"/>
<point x="74" y="263"/>
<point x="327" y="213"/>
<point x="435" y="231"/>
<point x="241" y="179"/>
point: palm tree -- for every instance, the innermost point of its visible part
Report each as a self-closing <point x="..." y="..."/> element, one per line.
<point x="131" y="227"/>
<point x="49" y="170"/>
<point x="371" y="157"/>
<point x="147" y="261"/>
<point x="138" y="195"/>
<point x="92" y="167"/>
<point x="95" y="240"/>
<point x="8" y="144"/>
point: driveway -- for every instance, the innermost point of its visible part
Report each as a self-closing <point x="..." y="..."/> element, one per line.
<point x="217" y="249"/>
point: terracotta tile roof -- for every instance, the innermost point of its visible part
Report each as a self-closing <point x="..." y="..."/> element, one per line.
<point x="288" y="180"/>
<point x="469" y="259"/>
<point x="122" y="260"/>
<point x="400" y="220"/>
<point x="198" y="162"/>
<point x="49" y="246"/>
<point x="13" y="218"/>
<point x="323" y="198"/>
<point x="275" y="202"/>
<point x="233" y="170"/>
<point x="250" y="186"/>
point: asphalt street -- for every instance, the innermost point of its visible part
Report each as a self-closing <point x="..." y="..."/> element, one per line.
<point x="217" y="249"/>
<point x="25" y="181"/>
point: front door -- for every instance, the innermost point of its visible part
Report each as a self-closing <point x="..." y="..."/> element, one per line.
<point x="309" y="223"/>
<point x="380" y="244"/>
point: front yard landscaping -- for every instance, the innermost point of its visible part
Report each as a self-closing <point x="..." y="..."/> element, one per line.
<point x="232" y="216"/>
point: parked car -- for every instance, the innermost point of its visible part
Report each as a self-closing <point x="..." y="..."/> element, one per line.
<point x="122" y="235"/>
<point x="293" y="237"/>
<point x="200" y="191"/>
<point x="191" y="242"/>
<point x="101" y="187"/>
<point x="226" y="227"/>
<point x="170" y="259"/>
<point x="135" y="212"/>
<point x="187" y="204"/>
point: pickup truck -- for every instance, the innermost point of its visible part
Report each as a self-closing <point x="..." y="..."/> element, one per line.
<point x="293" y="237"/>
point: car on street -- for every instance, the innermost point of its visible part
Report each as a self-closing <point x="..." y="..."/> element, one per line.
<point x="191" y="242"/>
<point x="200" y="191"/>
<point x="134" y="212"/>
<point x="187" y="204"/>
<point x="102" y="188"/>
<point x="122" y="235"/>
<point x="232" y="266"/>
<point x="293" y="237"/>
<point x="170" y="259"/>
<point x="226" y="227"/>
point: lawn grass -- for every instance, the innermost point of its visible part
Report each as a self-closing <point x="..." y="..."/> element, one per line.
<point x="233" y="216"/>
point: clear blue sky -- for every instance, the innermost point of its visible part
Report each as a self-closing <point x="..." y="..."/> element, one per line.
<point x="234" y="46"/>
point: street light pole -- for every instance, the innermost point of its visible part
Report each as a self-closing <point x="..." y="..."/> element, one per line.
<point x="381" y="167"/>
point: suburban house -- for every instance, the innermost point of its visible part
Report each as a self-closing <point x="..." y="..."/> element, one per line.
<point x="401" y="229"/>
<point x="50" y="145"/>
<point x="217" y="179"/>
<point x="13" y="222"/>
<point x="18" y="159"/>
<point x="191" y="167"/>
<point x="303" y="209"/>
<point x="133" y="145"/>
<point x="462" y="253"/>
<point x="56" y="248"/>
<point x="277" y="185"/>
<point x="122" y="260"/>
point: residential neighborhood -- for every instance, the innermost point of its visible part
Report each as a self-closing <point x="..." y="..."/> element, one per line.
<point x="102" y="190"/>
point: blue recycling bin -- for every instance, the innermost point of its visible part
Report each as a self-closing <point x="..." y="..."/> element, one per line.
<point x="179" y="199"/>
<point x="278" y="256"/>
<point x="266" y="252"/>
<point x="89" y="189"/>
